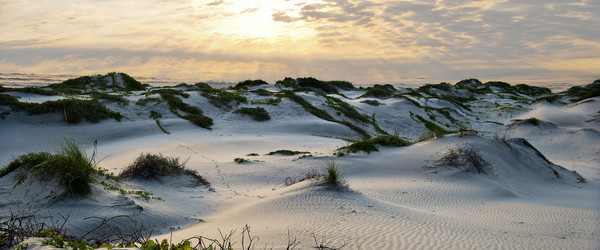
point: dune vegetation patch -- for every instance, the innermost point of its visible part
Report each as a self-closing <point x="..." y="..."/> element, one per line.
<point x="257" y="114"/>
<point x="70" y="167"/>
<point x="287" y="152"/>
<point x="465" y="157"/>
<point x="73" y="110"/>
<point x="249" y="83"/>
<point x="152" y="166"/>
<point x="373" y="144"/>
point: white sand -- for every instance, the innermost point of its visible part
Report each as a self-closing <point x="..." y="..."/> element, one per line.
<point x="391" y="200"/>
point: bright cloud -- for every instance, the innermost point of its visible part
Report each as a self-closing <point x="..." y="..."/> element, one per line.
<point x="361" y="41"/>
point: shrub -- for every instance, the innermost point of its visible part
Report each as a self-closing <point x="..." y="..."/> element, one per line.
<point x="310" y="82"/>
<point x="109" y="98"/>
<point x="532" y="90"/>
<point x="151" y="166"/>
<point x="257" y="114"/>
<point x="240" y="160"/>
<point x="27" y="161"/>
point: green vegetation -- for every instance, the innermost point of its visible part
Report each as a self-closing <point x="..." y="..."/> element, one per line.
<point x="322" y="114"/>
<point x="109" y="98"/>
<point x="140" y="194"/>
<point x="144" y="101"/>
<point x="78" y="85"/>
<point x="249" y="83"/>
<point x="32" y="90"/>
<point x="257" y="114"/>
<point x="437" y="130"/>
<point x="224" y="99"/>
<point x="326" y="86"/>
<point x="372" y="102"/>
<point x="581" y="93"/>
<point x="151" y="166"/>
<point x="380" y="91"/>
<point x="333" y="174"/>
<point x="194" y="114"/>
<point x="269" y="101"/>
<point x="287" y="152"/>
<point x="263" y="92"/>
<point x="346" y="109"/>
<point x="240" y="160"/>
<point x="70" y="167"/>
<point x="372" y="145"/>
<point x="74" y="110"/>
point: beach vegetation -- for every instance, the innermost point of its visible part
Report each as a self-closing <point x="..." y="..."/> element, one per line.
<point x="119" y="99"/>
<point x="224" y="99"/>
<point x="153" y="166"/>
<point x="287" y="82"/>
<point x="373" y="144"/>
<point x="372" y="102"/>
<point x="287" y="152"/>
<point x="70" y="167"/>
<point x="329" y="87"/>
<point x="144" y="101"/>
<point x="380" y="91"/>
<point x="465" y="157"/>
<point x="580" y="93"/>
<point x="249" y="83"/>
<point x="346" y="109"/>
<point x="257" y="114"/>
<point x="240" y="160"/>
<point x="436" y="129"/>
<point x="252" y="154"/>
<point x="33" y="90"/>
<point x="263" y="92"/>
<point x="202" y="86"/>
<point x="74" y="110"/>
<point x="268" y="101"/>
<point x="333" y="174"/>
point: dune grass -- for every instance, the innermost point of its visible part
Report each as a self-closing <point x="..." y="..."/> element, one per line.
<point x="70" y="167"/>
<point x="371" y="145"/>
<point x="152" y="166"/>
<point x="287" y="152"/>
<point x="257" y="114"/>
<point x="333" y="174"/>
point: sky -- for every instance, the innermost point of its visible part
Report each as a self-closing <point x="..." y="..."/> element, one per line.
<point x="364" y="42"/>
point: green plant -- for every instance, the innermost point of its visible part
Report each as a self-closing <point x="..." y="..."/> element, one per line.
<point x="71" y="167"/>
<point x="151" y="166"/>
<point x="380" y="91"/>
<point x="240" y="160"/>
<point x="224" y="99"/>
<point x="74" y="110"/>
<point x="372" y="102"/>
<point x="333" y="174"/>
<point x="287" y="152"/>
<point x="144" y="101"/>
<point x="249" y="83"/>
<point x="257" y="114"/>
<point x="370" y="145"/>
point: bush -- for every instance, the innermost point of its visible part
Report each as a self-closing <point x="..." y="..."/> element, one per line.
<point x="144" y="101"/>
<point x="224" y="99"/>
<point x="74" y="110"/>
<point x="109" y="98"/>
<point x="258" y="114"/>
<point x="151" y="166"/>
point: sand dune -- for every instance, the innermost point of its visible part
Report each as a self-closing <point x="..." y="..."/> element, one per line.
<point x="540" y="189"/>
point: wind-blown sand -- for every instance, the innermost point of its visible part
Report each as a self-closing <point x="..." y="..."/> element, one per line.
<point x="395" y="198"/>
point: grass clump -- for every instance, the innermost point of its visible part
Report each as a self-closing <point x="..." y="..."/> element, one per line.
<point x="144" y="101"/>
<point x="287" y="152"/>
<point x="70" y="167"/>
<point x="151" y="166"/>
<point x="240" y="160"/>
<point x="119" y="99"/>
<point x="333" y="174"/>
<point x="257" y="114"/>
